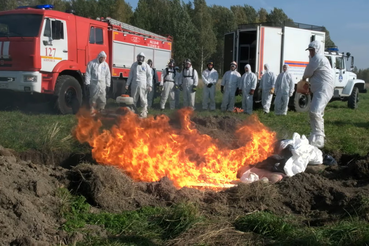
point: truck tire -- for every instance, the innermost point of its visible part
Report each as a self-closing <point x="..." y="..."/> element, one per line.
<point x="301" y="102"/>
<point x="353" y="98"/>
<point x="69" y="94"/>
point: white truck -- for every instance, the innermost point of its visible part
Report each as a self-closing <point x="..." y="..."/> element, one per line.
<point x="276" y="45"/>
<point x="346" y="84"/>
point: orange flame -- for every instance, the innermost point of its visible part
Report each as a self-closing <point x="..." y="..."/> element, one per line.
<point x="150" y="149"/>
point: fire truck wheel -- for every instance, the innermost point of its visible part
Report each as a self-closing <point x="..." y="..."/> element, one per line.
<point x="69" y="94"/>
<point x="301" y="102"/>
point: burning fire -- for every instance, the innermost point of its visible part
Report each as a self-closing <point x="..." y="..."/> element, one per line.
<point x="150" y="149"/>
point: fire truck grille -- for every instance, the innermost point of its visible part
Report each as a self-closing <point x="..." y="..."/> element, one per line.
<point x="7" y="79"/>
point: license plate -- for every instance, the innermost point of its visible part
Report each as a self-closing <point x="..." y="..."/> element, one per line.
<point x="3" y="86"/>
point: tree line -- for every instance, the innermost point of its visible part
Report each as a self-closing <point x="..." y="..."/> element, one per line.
<point x="197" y="28"/>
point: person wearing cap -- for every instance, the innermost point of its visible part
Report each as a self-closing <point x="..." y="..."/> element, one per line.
<point x="140" y="80"/>
<point x="267" y="84"/>
<point x="247" y="85"/>
<point x="210" y="78"/>
<point x="168" y="80"/>
<point x="284" y="88"/>
<point x="321" y="80"/>
<point x="229" y="85"/>
<point x="188" y="81"/>
<point x="151" y="94"/>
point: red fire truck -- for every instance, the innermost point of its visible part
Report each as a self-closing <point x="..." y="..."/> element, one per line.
<point x="43" y="51"/>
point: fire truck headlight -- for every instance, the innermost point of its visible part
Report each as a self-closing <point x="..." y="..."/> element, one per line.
<point x="29" y="78"/>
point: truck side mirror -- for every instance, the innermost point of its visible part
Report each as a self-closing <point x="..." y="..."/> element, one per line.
<point x="352" y="63"/>
<point x="48" y="42"/>
<point x="348" y="54"/>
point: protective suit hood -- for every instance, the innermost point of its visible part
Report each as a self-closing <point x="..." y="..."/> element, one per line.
<point x="267" y="67"/>
<point x="249" y="67"/>
<point x="317" y="46"/>
<point x="101" y="54"/>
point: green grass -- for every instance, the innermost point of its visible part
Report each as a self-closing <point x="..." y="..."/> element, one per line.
<point x="347" y="130"/>
<point x="285" y="231"/>
<point x="21" y="131"/>
<point x="157" y="225"/>
<point x="148" y="224"/>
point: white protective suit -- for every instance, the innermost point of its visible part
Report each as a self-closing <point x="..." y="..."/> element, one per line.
<point x="98" y="79"/>
<point x="209" y="77"/>
<point x="284" y="88"/>
<point x="230" y="82"/>
<point x="140" y="80"/>
<point x="189" y="79"/>
<point x="266" y="85"/>
<point x="168" y="80"/>
<point x="321" y="79"/>
<point x="248" y="82"/>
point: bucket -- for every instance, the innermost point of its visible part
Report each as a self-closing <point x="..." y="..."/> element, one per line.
<point x="303" y="87"/>
<point x="125" y="100"/>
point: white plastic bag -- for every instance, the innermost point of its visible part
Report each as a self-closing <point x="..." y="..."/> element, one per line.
<point x="249" y="177"/>
<point x="302" y="154"/>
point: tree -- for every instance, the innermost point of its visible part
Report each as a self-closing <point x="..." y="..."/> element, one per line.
<point x="328" y="40"/>
<point x="183" y="32"/>
<point x="85" y="8"/>
<point x="206" y="40"/>
<point x="153" y="15"/>
<point x="251" y="14"/>
<point x="262" y="15"/>
<point x="239" y="14"/>
<point x="122" y="11"/>
<point x="12" y="4"/>
<point x="141" y="15"/>
<point x="223" y="22"/>
<point x="278" y="17"/>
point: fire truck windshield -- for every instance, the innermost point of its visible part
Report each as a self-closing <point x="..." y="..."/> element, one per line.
<point x="20" y="25"/>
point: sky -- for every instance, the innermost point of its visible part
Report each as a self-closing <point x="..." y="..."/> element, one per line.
<point x="347" y="21"/>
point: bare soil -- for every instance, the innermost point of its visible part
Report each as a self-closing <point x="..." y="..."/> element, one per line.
<point x="30" y="206"/>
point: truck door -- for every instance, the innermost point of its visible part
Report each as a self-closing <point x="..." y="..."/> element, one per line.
<point x="98" y="41"/>
<point x="270" y="49"/>
<point x="295" y="42"/>
<point x="229" y="50"/>
<point x="339" y="67"/>
<point x="54" y="43"/>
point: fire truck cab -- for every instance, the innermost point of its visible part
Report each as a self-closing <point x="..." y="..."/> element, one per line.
<point x="43" y="51"/>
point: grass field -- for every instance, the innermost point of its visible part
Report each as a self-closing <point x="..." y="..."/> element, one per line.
<point x="347" y="130"/>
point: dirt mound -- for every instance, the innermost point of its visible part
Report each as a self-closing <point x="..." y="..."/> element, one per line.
<point x="109" y="188"/>
<point x="306" y="193"/>
<point x="29" y="210"/>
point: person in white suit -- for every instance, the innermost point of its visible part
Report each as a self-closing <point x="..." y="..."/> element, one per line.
<point x="97" y="80"/>
<point x="210" y="78"/>
<point x="140" y="80"/>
